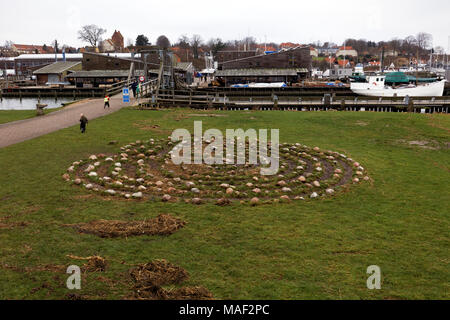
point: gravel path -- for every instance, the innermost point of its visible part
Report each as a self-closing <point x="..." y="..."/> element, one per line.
<point x="19" y="131"/>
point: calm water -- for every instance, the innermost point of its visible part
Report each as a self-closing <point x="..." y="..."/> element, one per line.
<point x="30" y="103"/>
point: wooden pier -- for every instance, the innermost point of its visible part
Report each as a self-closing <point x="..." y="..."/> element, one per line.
<point x="59" y="92"/>
<point x="279" y="100"/>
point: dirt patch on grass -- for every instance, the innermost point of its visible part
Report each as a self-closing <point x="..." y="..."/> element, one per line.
<point x="429" y="145"/>
<point x="146" y="125"/>
<point x="158" y="293"/>
<point x="163" y="225"/>
<point x="14" y="225"/>
<point x="207" y="115"/>
<point x="43" y="268"/>
<point x="149" y="278"/>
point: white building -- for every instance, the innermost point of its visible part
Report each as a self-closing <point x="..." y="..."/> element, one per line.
<point x="346" y="52"/>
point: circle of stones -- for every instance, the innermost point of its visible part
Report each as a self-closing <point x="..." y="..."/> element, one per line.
<point x="144" y="170"/>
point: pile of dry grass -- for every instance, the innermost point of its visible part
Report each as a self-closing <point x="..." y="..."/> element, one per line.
<point x="163" y="225"/>
<point x="149" y="278"/>
<point x="94" y="263"/>
<point x="157" y="273"/>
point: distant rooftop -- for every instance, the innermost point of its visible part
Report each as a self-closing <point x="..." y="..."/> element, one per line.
<point x="72" y="56"/>
<point x="48" y="56"/>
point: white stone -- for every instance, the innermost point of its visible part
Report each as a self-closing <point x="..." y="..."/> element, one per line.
<point x="89" y="168"/>
<point x="137" y="195"/>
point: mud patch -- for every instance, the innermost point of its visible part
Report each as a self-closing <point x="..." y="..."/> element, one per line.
<point x="163" y="225"/>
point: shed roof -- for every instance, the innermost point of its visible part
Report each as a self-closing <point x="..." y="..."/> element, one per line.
<point x="185" y="66"/>
<point x="260" y="72"/>
<point x="108" y="73"/>
<point x="104" y="74"/>
<point x="57" y="67"/>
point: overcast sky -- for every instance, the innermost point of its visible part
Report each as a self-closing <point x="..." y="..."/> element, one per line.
<point x="39" y="22"/>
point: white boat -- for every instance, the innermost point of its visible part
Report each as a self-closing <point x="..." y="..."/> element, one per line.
<point x="375" y="87"/>
<point x="261" y="85"/>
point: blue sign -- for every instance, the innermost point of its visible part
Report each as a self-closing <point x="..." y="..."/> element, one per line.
<point x="126" y="95"/>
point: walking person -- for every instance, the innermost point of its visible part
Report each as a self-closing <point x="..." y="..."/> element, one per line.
<point x="106" y="102"/>
<point x="83" y="123"/>
<point x="138" y="90"/>
<point x="134" y="87"/>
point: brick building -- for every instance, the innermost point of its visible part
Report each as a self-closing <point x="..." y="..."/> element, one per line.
<point x="117" y="40"/>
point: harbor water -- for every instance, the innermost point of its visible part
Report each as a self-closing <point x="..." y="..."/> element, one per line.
<point x="30" y="103"/>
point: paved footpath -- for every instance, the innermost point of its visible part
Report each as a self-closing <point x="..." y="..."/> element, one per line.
<point x="19" y="131"/>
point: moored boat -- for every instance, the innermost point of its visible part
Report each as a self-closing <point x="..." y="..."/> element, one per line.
<point x="375" y="86"/>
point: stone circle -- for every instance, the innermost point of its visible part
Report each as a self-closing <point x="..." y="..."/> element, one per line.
<point x="145" y="171"/>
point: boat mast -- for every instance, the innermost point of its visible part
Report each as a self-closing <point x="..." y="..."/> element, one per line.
<point x="417" y="66"/>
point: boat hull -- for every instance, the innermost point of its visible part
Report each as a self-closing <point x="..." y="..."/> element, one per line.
<point x="435" y="89"/>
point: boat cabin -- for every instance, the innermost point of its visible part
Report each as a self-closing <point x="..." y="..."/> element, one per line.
<point x="377" y="80"/>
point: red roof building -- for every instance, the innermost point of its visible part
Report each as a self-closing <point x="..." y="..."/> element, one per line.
<point x="117" y="40"/>
<point x="31" y="49"/>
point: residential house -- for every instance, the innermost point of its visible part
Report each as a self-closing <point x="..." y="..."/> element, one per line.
<point x="314" y="52"/>
<point x="347" y="52"/>
<point x="31" y="49"/>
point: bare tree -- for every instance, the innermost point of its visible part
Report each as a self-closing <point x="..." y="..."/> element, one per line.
<point x="8" y="44"/>
<point x="184" y="42"/>
<point x="424" y="40"/>
<point x="216" y="45"/>
<point x="196" y="42"/>
<point x="163" y="42"/>
<point x="91" y="34"/>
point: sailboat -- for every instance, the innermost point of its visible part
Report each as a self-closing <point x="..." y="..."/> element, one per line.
<point x="375" y="86"/>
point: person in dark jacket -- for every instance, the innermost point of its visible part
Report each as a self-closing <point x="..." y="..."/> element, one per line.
<point x="83" y="122"/>
<point x="133" y="88"/>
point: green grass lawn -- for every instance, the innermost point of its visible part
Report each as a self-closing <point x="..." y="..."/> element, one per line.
<point x="302" y="250"/>
<point x="15" y="115"/>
